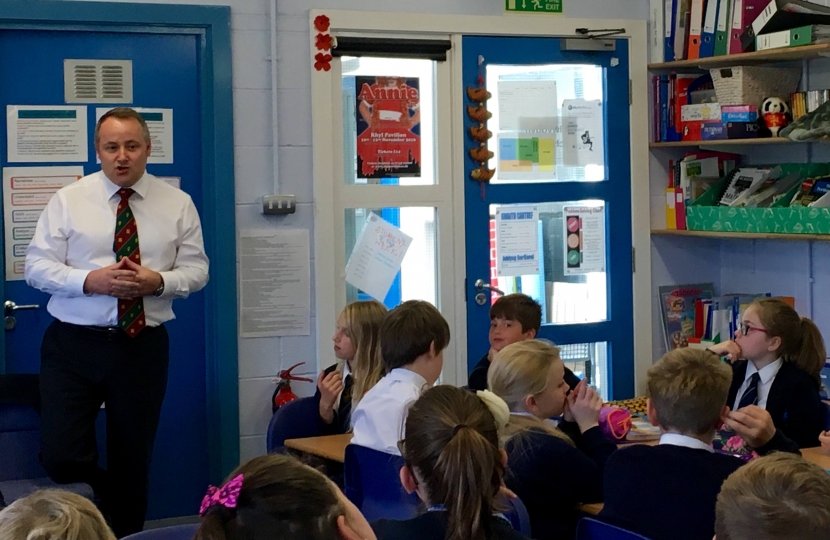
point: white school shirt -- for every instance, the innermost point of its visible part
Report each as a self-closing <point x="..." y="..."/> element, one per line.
<point x="75" y="233"/>
<point x="378" y="420"/>
<point x="767" y="375"/>
<point x="677" y="439"/>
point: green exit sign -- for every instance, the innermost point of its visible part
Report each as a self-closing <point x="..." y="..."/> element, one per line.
<point x="534" y="6"/>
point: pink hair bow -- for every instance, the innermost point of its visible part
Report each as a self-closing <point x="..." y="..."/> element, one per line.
<point x="225" y="496"/>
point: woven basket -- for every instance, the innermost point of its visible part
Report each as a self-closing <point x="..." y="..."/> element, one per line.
<point x="751" y="85"/>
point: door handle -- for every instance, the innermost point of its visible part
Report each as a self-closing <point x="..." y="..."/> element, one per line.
<point x="482" y="285"/>
<point x="9" y="307"/>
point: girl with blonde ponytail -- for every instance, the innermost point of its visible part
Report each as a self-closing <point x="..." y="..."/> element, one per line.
<point x="454" y="463"/>
<point x="776" y="359"/>
<point x="551" y="468"/>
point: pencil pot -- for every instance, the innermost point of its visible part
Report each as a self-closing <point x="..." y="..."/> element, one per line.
<point x="615" y="423"/>
<point x="751" y="85"/>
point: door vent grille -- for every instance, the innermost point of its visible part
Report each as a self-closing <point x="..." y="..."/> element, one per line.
<point x="98" y="81"/>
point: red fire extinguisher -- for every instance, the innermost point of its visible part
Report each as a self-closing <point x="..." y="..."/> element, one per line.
<point x="283" y="393"/>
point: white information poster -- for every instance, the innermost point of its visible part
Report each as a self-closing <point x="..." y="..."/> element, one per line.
<point x="527" y="106"/>
<point x="517" y="240"/>
<point x="26" y="192"/>
<point x="584" y="239"/>
<point x="42" y="134"/>
<point x="160" y="124"/>
<point x="377" y="257"/>
<point x="275" y="282"/>
<point x="583" y="137"/>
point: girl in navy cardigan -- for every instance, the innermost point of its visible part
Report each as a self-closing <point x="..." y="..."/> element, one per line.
<point x="454" y="463"/>
<point x="776" y="360"/>
<point x="552" y="469"/>
<point x="359" y="367"/>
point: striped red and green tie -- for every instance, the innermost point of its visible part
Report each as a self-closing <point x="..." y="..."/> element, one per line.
<point x="130" y="310"/>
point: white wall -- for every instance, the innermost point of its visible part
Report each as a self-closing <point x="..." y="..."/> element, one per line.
<point x="261" y="359"/>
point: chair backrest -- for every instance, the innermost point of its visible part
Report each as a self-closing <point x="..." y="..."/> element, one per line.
<point x="295" y="420"/>
<point x="517" y="514"/>
<point x="593" y="529"/>
<point x="19" y="443"/>
<point x="176" y="532"/>
<point x="371" y="481"/>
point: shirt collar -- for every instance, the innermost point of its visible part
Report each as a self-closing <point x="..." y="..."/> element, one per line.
<point x="139" y="187"/>
<point x="767" y="373"/>
<point x="405" y="375"/>
<point x="676" y="439"/>
<point x="346" y="370"/>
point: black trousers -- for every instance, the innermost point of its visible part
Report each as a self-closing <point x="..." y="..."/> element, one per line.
<point x="81" y="368"/>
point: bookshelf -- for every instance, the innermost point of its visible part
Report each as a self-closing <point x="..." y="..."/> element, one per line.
<point x="740" y="236"/>
<point x="729" y="142"/>
<point x="790" y="54"/>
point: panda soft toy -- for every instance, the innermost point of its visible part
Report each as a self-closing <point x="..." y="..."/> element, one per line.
<point x="774" y="111"/>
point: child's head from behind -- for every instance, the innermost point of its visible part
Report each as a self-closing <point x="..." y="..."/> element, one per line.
<point x="530" y="377"/>
<point x="772" y="328"/>
<point x="276" y="498"/>
<point x="688" y="389"/>
<point x="776" y="497"/>
<point x="53" y="514"/>
<point x="415" y="330"/>
<point x="513" y="318"/>
<point x="452" y="455"/>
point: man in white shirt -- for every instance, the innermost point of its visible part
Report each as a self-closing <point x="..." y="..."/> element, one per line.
<point x="111" y="295"/>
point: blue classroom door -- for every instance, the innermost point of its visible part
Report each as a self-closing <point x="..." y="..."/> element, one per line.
<point x="555" y="221"/>
<point x="165" y="75"/>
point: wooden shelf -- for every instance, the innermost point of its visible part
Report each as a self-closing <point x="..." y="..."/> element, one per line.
<point x="729" y="142"/>
<point x="788" y="54"/>
<point x="743" y="236"/>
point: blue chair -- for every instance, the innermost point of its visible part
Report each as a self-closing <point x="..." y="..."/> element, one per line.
<point x="295" y="420"/>
<point x="372" y="482"/>
<point x="21" y="472"/>
<point x="517" y="514"/>
<point x="593" y="529"/>
<point x="176" y="532"/>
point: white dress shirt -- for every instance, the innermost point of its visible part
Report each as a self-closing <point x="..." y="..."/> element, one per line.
<point x="677" y="439"/>
<point x="378" y="420"/>
<point x="767" y="375"/>
<point x="74" y="236"/>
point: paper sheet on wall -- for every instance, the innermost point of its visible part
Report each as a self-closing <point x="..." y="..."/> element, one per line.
<point x="376" y="257"/>
<point x="275" y="282"/>
<point x="42" y="134"/>
<point x="527" y="106"/>
<point x="517" y="240"/>
<point x="26" y="192"/>
<point x="523" y="158"/>
<point x="583" y="134"/>
<point x="584" y="239"/>
<point x="160" y="124"/>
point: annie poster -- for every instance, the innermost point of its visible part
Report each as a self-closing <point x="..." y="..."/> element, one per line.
<point x="388" y="127"/>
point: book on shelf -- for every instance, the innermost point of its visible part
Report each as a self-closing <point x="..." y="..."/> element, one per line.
<point x="677" y="305"/>
<point x="743" y="182"/>
<point x="778" y="15"/>
<point x="770" y="191"/>
<point x="794" y="37"/>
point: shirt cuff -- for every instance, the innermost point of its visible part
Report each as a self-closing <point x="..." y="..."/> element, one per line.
<point x="171" y="284"/>
<point x="75" y="282"/>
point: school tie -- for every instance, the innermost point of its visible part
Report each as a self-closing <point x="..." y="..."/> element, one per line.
<point x="345" y="398"/>
<point x="130" y="310"/>
<point x="750" y="395"/>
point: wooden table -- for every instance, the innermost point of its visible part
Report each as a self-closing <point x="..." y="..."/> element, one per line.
<point x="813" y="455"/>
<point x="331" y="447"/>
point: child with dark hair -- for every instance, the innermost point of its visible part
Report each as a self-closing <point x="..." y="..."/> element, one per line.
<point x="275" y="497"/>
<point x="513" y="318"/>
<point x="776" y="360"/>
<point x="413" y="337"/>
<point x="454" y="464"/>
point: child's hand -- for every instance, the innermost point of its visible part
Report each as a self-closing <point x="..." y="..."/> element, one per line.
<point x="352" y="525"/>
<point x="330" y="387"/>
<point x="753" y="424"/>
<point x="824" y="439"/>
<point x="491" y="354"/>
<point x="584" y="404"/>
<point x="729" y="349"/>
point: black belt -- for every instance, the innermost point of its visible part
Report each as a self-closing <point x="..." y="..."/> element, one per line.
<point x="109" y="330"/>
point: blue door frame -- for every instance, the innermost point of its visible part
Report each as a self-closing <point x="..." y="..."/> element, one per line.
<point x="212" y="24"/>
<point x="618" y="330"/>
